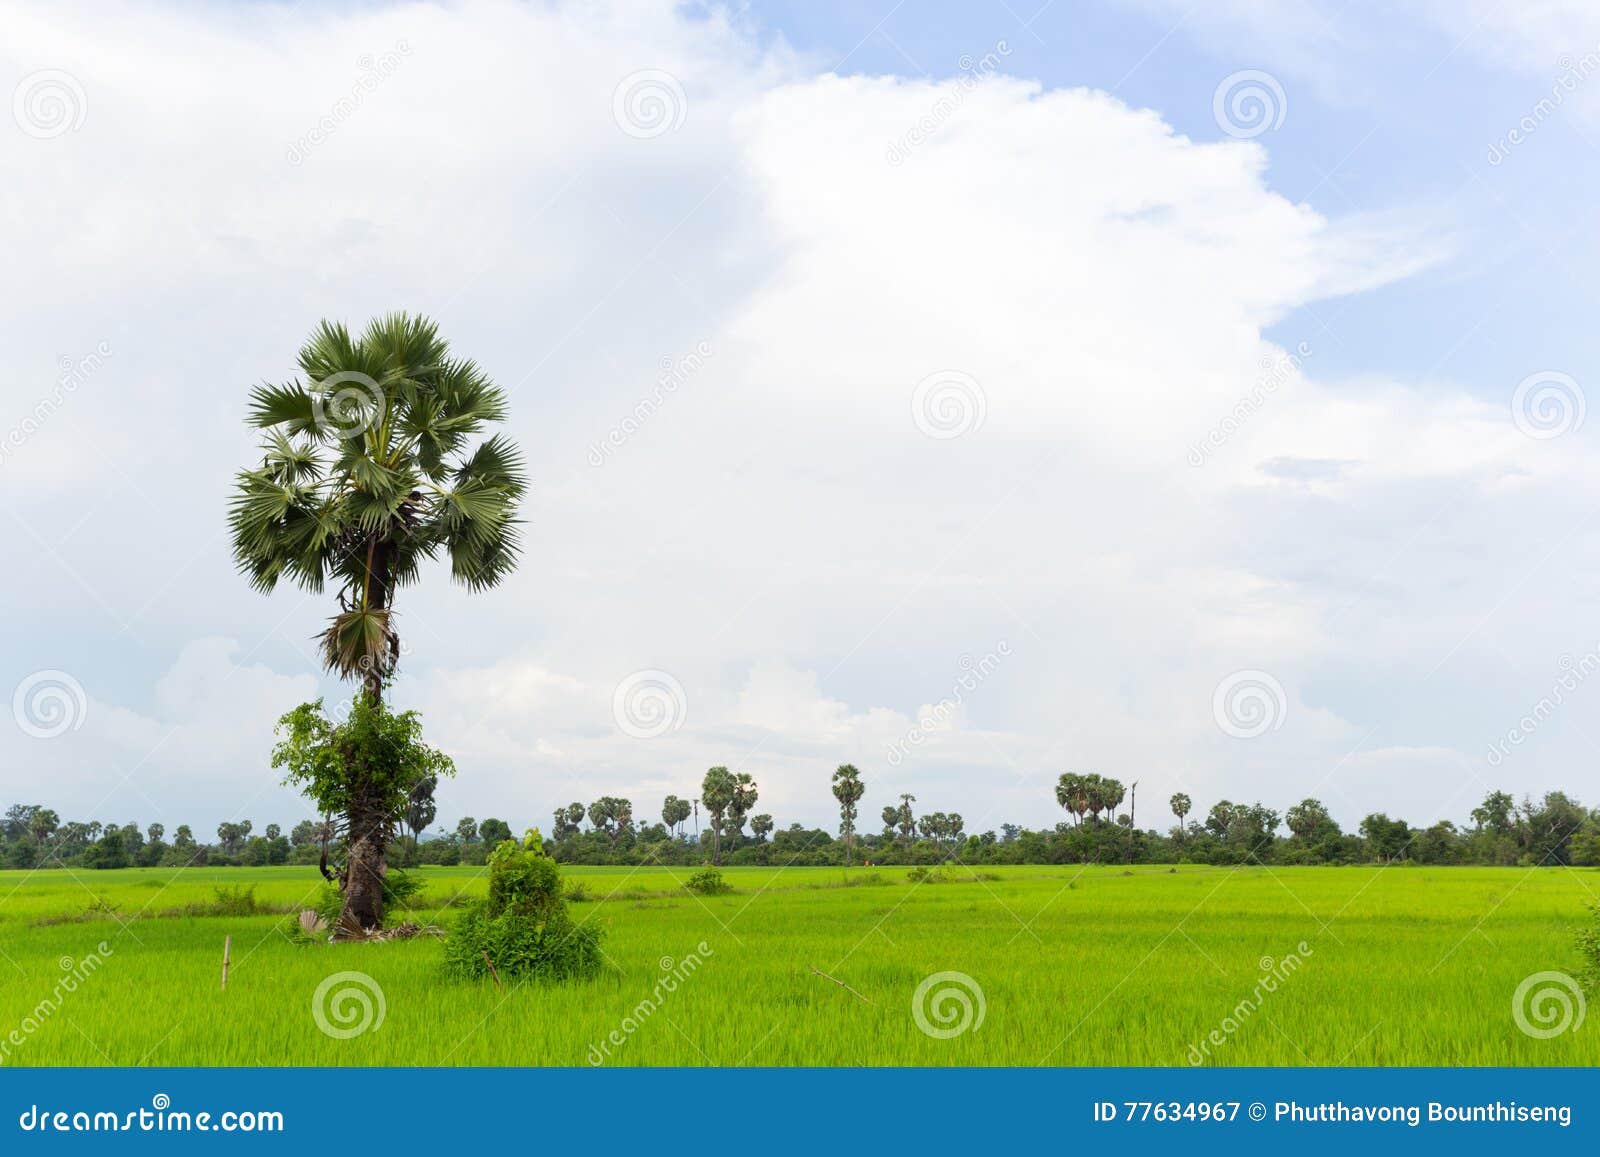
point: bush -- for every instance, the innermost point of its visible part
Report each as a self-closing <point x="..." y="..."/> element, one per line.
<point x="921" y="875"/>
<point x="708" y="882"/>
<point x="523" y="927"/>
<point x="865" y="880"/>
<point x="238" y="900"/>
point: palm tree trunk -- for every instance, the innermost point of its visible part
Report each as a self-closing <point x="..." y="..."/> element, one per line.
<point x="364" y="870"/>
<point x="368" y="837"/>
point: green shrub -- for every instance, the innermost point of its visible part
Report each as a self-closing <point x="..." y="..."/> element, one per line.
<point x="865" y="880"/>
<point x="523" y="927"/>
<point x="708" y="882"/>
<point x="920" y="875"/>
<point x="233" y="900"/>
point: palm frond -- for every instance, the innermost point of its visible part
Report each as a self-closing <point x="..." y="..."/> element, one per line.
<point x="359" y="642"/>
<point x="290" y="406"/>
<point x="497" y="463"/>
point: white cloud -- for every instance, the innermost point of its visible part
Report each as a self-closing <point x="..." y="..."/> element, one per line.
<point x="195" y="748"/>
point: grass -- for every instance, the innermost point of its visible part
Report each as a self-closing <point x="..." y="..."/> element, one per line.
<point x="1103" y="966"/>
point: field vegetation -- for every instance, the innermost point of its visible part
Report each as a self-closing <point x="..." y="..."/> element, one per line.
<point x="1066" y="965"/>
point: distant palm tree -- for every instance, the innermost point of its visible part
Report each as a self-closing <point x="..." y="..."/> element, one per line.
<point x="1109" y="794"/>
<point x="847" y="789"/>
<point x="1073" y="794"/>
<point x="1180" y="805"/>
<point x="717" y="792"/>
<point x="907" y="819"/>
<point x="366" y="471"/>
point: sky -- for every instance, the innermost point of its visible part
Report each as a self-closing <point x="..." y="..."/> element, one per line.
<point x="1192" y="394"/>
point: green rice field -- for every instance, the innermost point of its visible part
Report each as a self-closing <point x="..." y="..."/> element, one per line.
<point x="1041" y="965"/>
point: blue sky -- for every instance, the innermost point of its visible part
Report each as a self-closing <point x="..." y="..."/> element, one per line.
<point x="926" y="415"/>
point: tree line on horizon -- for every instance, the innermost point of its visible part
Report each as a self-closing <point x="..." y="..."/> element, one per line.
<point x="1554" y="830"/>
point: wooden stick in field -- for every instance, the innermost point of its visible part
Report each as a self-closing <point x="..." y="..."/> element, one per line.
<point x="227" y="946"/>
<point x="837" y="981"/>
<point x="493" y="973"/>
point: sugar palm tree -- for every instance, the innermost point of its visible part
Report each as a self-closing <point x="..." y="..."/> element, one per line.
<point x="718" y="791"/>
<point x="368" y="469"/>
<point x="847" y="789"/>
<point x="1073" y="793"/>
<point x="1180" y="804"/>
